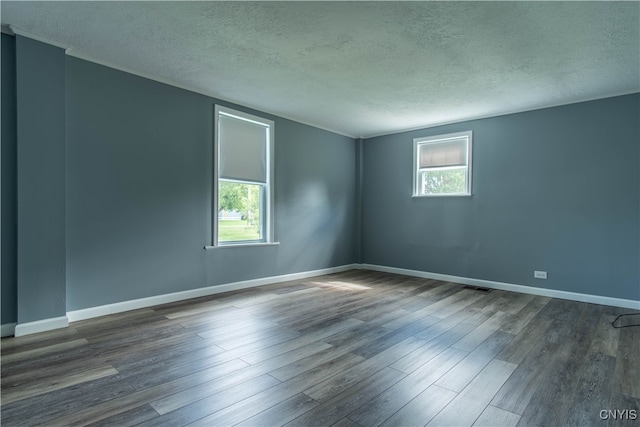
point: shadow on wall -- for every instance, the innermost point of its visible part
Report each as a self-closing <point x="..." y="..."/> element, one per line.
<point x="315" y="223"/>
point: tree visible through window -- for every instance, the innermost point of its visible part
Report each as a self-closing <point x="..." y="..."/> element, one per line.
<point x="239" y="211"/>
<point x="442" y="165"/>
<point x="243" y="175"/>
<point x="448" y="181"/>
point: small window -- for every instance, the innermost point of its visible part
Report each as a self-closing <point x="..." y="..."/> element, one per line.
<point x="243" y="176"/>
<point x="442" y="165"/>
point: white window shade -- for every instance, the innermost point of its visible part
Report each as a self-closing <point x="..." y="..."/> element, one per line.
<point x="242" y="149"/>
<point x="446" y="153"/>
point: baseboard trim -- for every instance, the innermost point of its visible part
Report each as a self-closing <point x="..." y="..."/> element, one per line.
<point x="103" y="310"/>
<point x="43" y="325"/>
<point x="573" y="296"/>
<point x="8" y="330"/>
<point x="119" y="307"/>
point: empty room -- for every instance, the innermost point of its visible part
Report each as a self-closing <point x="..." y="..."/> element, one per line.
<point x="320" y="213"/>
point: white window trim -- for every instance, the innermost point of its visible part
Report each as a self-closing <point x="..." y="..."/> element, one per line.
<point x="443" y="138"/>
<point x="269" y="232"/>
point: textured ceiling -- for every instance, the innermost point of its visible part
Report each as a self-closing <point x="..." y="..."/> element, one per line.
<point x="359" y="68"/>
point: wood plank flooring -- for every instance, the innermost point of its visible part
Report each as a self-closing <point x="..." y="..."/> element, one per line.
<point x="359" y="348"/>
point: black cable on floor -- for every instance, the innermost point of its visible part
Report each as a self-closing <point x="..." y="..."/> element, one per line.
<point x="625" y="326"/>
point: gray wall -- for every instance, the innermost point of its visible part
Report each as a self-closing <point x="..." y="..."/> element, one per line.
<point x="359" y="191"/>
<point x="9" y="194"/>
<point x="139" y="186"/>
<point x="40" y="72"/>
<point x="556" y="189"/>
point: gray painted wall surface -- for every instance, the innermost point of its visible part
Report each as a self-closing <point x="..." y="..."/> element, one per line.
<point x="40" y="71"/>
<point x="8" y="212"/>
<point x="139" y="191"/>
<point x="359" y="191"/>
<point x="556" y="189"/>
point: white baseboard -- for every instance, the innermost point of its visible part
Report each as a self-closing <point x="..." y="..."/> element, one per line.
<point x="41" y="326"/>
<point x="8" y="329"/>
<point x="119" y="307"/>
<point x="573" y="296"/>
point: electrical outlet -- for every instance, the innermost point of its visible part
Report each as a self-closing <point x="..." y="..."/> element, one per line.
<point x="540" y="274"/>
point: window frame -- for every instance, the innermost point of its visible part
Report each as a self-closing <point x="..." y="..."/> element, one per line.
<point x="439" y="139"/>
<point x="266" y="208"/>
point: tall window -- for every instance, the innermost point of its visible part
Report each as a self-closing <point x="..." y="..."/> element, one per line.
<point x="243" y="175"/>
<point x="442" y="165"/>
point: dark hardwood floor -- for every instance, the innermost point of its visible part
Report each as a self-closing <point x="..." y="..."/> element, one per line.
<point x="358" y="348"/>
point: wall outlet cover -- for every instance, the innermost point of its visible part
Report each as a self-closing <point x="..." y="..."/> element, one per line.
<point x="540" y="274"/>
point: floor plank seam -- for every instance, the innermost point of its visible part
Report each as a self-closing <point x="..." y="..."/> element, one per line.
<point x="401" y="350"/>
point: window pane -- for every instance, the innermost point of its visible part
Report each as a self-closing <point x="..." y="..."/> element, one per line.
<point x="240" y="211"/>
<point x="443" y="181"/>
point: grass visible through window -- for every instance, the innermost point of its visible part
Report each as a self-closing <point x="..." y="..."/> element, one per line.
<point x="230" y="231"/>
<point x="240" y="216"/>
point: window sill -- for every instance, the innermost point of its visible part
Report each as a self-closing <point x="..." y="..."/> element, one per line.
<point x="242" y="245"/>
<point x="419" y="196"/>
